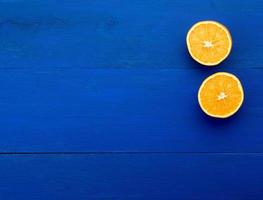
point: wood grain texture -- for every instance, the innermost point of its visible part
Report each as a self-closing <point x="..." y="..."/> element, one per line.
<point x="37" y="34"/>
<point x="133" y="177"/>
<point x="115" y="76"/>
<point x="122" y="110"/>
<point x="98" y="100"/>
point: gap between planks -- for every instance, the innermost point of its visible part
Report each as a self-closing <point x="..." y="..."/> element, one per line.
<point x="131" y="153"/>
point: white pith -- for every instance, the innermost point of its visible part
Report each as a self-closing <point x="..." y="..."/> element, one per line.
<point x="221" y="96"/>
<point x="208" y="44"/>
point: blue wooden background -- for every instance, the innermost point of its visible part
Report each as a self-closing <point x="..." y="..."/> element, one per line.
<point x="98" y="101"/>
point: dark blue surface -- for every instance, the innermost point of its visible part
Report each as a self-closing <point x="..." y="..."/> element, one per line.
<point x="132" y="177"/>
<point x="98" y="101"/>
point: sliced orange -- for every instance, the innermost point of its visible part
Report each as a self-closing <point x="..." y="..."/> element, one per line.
<point x="209" y="42"/>
<point x="221" y="95"/>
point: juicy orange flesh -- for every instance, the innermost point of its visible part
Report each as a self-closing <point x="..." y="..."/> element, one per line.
<point x="209" y="43"/>
<point x="221" y="95"/>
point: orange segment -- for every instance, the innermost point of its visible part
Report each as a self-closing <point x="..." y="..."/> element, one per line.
<point x="220" y="95"/>
<point x="209" y="42"/>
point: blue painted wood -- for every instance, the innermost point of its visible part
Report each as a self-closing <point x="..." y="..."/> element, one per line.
<point x="114" y="76"/>
<point x="133" y="177"/>
<point x="37" y="34"/>
<point x="110" y="75"/>
<point x="122" y="110"/>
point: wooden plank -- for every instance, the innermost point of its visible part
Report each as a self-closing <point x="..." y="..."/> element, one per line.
<point x="134" y="177"/>
<point x="122" y="110"/>
<point x="37" y="34"/>
<point x="110" y="75"/>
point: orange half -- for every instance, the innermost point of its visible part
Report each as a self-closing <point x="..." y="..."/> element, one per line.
<point x="221" y="95"/>
<point x="209" y="42"/>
